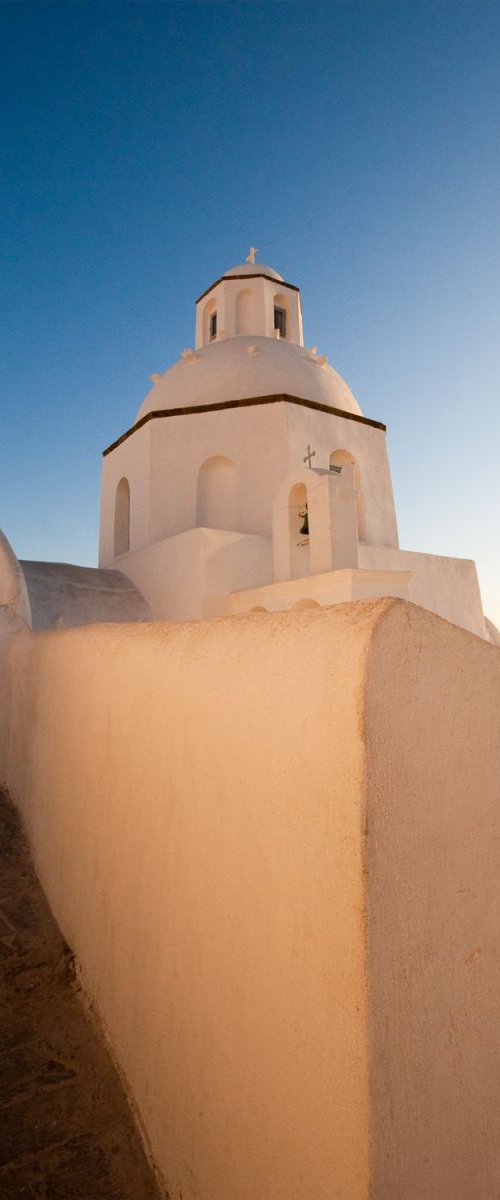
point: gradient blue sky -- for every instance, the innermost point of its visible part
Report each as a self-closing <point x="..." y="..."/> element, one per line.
<point x="145" y="146"/>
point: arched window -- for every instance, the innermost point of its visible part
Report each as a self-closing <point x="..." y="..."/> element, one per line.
<point x="122" y="518"/>
<point x="209" y="322"/>
<point x="281" y="315"/>
<point x="245" y="312"/>
<point x="217" y="494"/>
<point x="299" y="531"/>
<point x="342" y="458"/>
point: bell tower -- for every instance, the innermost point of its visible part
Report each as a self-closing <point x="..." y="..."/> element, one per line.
<point x="249" y="300"/>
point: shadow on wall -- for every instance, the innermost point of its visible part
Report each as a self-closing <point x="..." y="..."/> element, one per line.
<point x="344" y="458"/>
<point x="122" y="518"/>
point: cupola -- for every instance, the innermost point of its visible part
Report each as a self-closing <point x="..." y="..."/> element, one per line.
<point x="249" y="300"/>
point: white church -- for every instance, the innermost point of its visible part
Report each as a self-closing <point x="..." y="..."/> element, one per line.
<point x="251" y="479"/>
<point x="271" y="841"/>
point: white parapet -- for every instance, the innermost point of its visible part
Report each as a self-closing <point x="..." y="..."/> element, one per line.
<point x="333" y="587"/>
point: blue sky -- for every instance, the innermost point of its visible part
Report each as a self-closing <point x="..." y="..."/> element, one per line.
<point x="145" y="146"/>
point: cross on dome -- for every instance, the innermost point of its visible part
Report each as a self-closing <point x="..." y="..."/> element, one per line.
<point x="251" y="256"/>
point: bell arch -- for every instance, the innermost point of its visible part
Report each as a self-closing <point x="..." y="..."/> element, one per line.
<point x="282" y="314"/>
<point x="217" y="494"/>
<point x="209" y="322"/>
<point x="343" y="458"/>
<point x="122" y="518"/>
<point x="245" y="321"/>
<point x="298" y="523"/>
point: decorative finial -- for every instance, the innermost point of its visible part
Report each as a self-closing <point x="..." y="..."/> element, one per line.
<point x="251" y="256"/>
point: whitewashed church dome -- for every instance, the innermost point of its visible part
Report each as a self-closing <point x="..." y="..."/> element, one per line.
<point x="241" y="368"/>
<point x="248" y="343"/>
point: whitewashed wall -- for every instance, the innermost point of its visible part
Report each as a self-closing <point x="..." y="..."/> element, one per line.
<point x="273" y="843"/>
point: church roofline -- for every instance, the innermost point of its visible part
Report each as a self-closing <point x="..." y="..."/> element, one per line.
<point x="280" y="283"/>
<point x="253" y="400"/>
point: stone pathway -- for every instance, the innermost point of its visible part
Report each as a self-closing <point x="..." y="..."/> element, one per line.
<point x="65" y="1128"/>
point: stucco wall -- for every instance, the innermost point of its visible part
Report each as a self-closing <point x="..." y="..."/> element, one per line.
<point x="162" y="461"/>
<point x="273" y="842"/>
<point x="193" y="797"/>
<point x="131" y="460"/>
<point x="446" y="586"/>
<point x="190" y="576"/>
<point x="432" y="724"/>
<point x="327" y="434"/>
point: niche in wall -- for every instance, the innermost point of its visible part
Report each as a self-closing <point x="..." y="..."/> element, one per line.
<point x="217" y="494"/>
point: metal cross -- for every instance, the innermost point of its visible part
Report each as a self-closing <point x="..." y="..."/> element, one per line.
<point x="251" y="256"/>
<point x="309" y="456"/>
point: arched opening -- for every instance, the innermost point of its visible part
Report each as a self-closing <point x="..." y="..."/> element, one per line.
<point x="217" y="494"/>
<point x="299" y="531"/>
<point x="281" y="315"/>
<point x="305" y="603"/>
<point x="343" y="458"/>
<point x="209" y="322"/>
<point x="245" y="312"/>
<point x="122" y="518"/>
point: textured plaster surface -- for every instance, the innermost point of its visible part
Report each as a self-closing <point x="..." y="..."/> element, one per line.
<point x="432" y="728"/>
<point x="193" y="796"/>
<point x="446" y="586"/>
<point x="273" y="843"/>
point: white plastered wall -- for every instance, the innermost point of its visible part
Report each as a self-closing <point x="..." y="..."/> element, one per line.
<point x="433" y="865"/>
<point x="131" y="460"/>
<point x="283" y="896"/>
<point x="326" y="433"/>
<point x="163" y="459"/>
<point x="253" y="438"/>
<point x="189" y="576"/>
<point x="206" y="868"/>
<point x="446" y="586"/>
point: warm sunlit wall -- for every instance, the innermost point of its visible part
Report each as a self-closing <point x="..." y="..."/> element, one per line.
<point x="432" y="722"/>
<point x="273" y="843"/>
<point x="193" y="796"/>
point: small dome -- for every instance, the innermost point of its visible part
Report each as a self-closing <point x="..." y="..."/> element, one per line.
<point x="253" y="269"/>
<point x="240" y="368"/>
